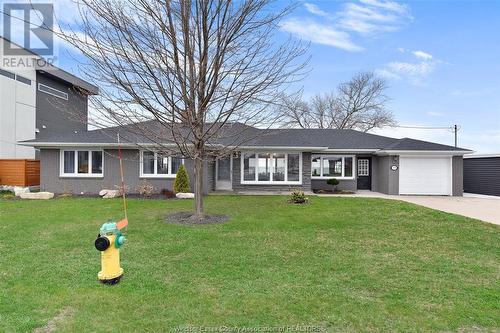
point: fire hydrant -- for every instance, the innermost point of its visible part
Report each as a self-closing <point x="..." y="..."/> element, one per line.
<point x="109" y="241"/>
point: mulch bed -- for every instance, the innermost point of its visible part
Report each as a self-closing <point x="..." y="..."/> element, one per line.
<point x="333" y="192"/>
<point x="187" y="218"/>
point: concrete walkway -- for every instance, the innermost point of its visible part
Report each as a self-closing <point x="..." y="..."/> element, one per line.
<point x="481" y="207"/>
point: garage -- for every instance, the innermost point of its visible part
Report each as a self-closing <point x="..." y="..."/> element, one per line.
<point x="425" y="175"/>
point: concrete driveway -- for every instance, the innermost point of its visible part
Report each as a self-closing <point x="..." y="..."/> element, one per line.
<point x="481" y="207"/>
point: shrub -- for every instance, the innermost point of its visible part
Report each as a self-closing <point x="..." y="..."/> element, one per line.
<point x="167" y="193"/>
<point x="121" y="190"/>
<point x="297" y="196"/>
<point x="334" y="182"/>
<point x="145" y="189"/>
<point x="181" y="183"/>
<point x="7" y="194"/>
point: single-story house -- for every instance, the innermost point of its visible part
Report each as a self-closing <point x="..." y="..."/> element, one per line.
<point x="270" y="160"/>
<point x="482" y="174"/>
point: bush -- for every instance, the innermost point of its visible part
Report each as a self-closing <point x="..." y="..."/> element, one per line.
<point x="332" y="181"/>
<point x="167" y="193"/>
<point x="297" y="196"/>
<point x="181" y="183"/>
<point x="145" y="189"/>
<point x="7" y="194"/>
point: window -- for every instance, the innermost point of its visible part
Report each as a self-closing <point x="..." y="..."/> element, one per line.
<point x="271" y="168"/>
<point x="249" y="166"/>
<point x="13" y="76"/>
<point x="332" y="167"/>
<point x="158" y="165"/>
<point x="52" y="91"/>
<point x="264" y="165"/>
<point x="363" y="167"/>
<point x="24" y="80"/>
<point x="81" y="163"/>
<point x="329" y="166"/>
<point x="7" y="74"/>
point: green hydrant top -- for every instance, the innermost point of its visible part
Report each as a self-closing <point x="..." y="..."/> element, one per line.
<point x="109" y="228"/>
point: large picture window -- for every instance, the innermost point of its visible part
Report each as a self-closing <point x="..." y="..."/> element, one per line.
<point x="81" y="163"/>
<point x="271" y="168"/>
<point x="157" y="165"/>
<point x="329" y="166"/>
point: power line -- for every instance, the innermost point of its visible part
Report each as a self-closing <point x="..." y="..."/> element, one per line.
<point x="424" y="127"/>
<point x="454" y="128"/>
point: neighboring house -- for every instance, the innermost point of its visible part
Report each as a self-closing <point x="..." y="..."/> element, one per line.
<point x="36" y="100"/>
<point x="482" y="174"/>
<point x="269" y="160"/>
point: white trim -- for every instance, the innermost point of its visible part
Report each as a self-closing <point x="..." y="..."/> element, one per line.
<point x="273" y="149"/>
<point x="57" y="145"/>
<point x="271" y="181"/>
<point x="321" y="156"/>
<point x="424" y="152"/>
<point x="351" y="150"/>
<point x="155" y="174"/>
<point x="483" y="156"/>
<point x="53" y="94"/>
<point x="75" y="174"/>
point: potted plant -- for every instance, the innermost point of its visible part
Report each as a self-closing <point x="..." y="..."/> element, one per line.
<point x="334" y="182"/>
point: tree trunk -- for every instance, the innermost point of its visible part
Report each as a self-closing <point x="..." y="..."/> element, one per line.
<point x="198" y="188"/>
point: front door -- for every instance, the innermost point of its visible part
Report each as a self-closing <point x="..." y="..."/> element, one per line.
<point x="223" y="174"/>
<point x="364" y="173"/>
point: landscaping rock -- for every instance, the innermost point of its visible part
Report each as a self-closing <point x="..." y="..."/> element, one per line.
<point x="18" y="190"/>
<point x="37" y="195"/>
<point x="109" y="194"/>
<point x="184" y="195"/>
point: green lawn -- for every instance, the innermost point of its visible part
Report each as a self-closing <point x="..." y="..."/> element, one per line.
<point x="345" y="264"/>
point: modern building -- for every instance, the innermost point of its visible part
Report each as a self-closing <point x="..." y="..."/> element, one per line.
<point x="36" y="100"/>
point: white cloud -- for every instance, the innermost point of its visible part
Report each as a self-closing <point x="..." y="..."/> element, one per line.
<point x="414" y="71"/>
<point x="313" y="9"/>
<point x="373" y="17"/>
<point x="363" y="17"/>
<point x="422" y="55"/>
<point x="387" y="74"/>
<point x="435" y="114"/>
<point x="320" y="34"/>
<point x="389" y="5"/>
<point x="423" y="68"/>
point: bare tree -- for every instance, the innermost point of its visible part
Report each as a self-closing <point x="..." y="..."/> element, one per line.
<point x="196" y="67"/>
<point x="357" y="104"/>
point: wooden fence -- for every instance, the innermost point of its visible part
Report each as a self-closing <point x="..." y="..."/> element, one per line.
<point x="20" y="172"/>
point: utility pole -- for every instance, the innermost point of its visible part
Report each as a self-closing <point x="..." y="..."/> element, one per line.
<point x="456" y="135"/>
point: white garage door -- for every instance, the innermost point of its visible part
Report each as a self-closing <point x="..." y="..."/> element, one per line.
<point x="425" y="175"/>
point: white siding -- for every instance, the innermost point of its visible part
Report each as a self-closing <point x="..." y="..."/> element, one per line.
<point x="17" y="113"/>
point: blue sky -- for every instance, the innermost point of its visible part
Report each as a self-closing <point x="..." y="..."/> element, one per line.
<point x="441" y="60"/>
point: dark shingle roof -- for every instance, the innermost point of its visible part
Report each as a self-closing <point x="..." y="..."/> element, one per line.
<point x="240" y="134"/>
<point x="412" y="144"/>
